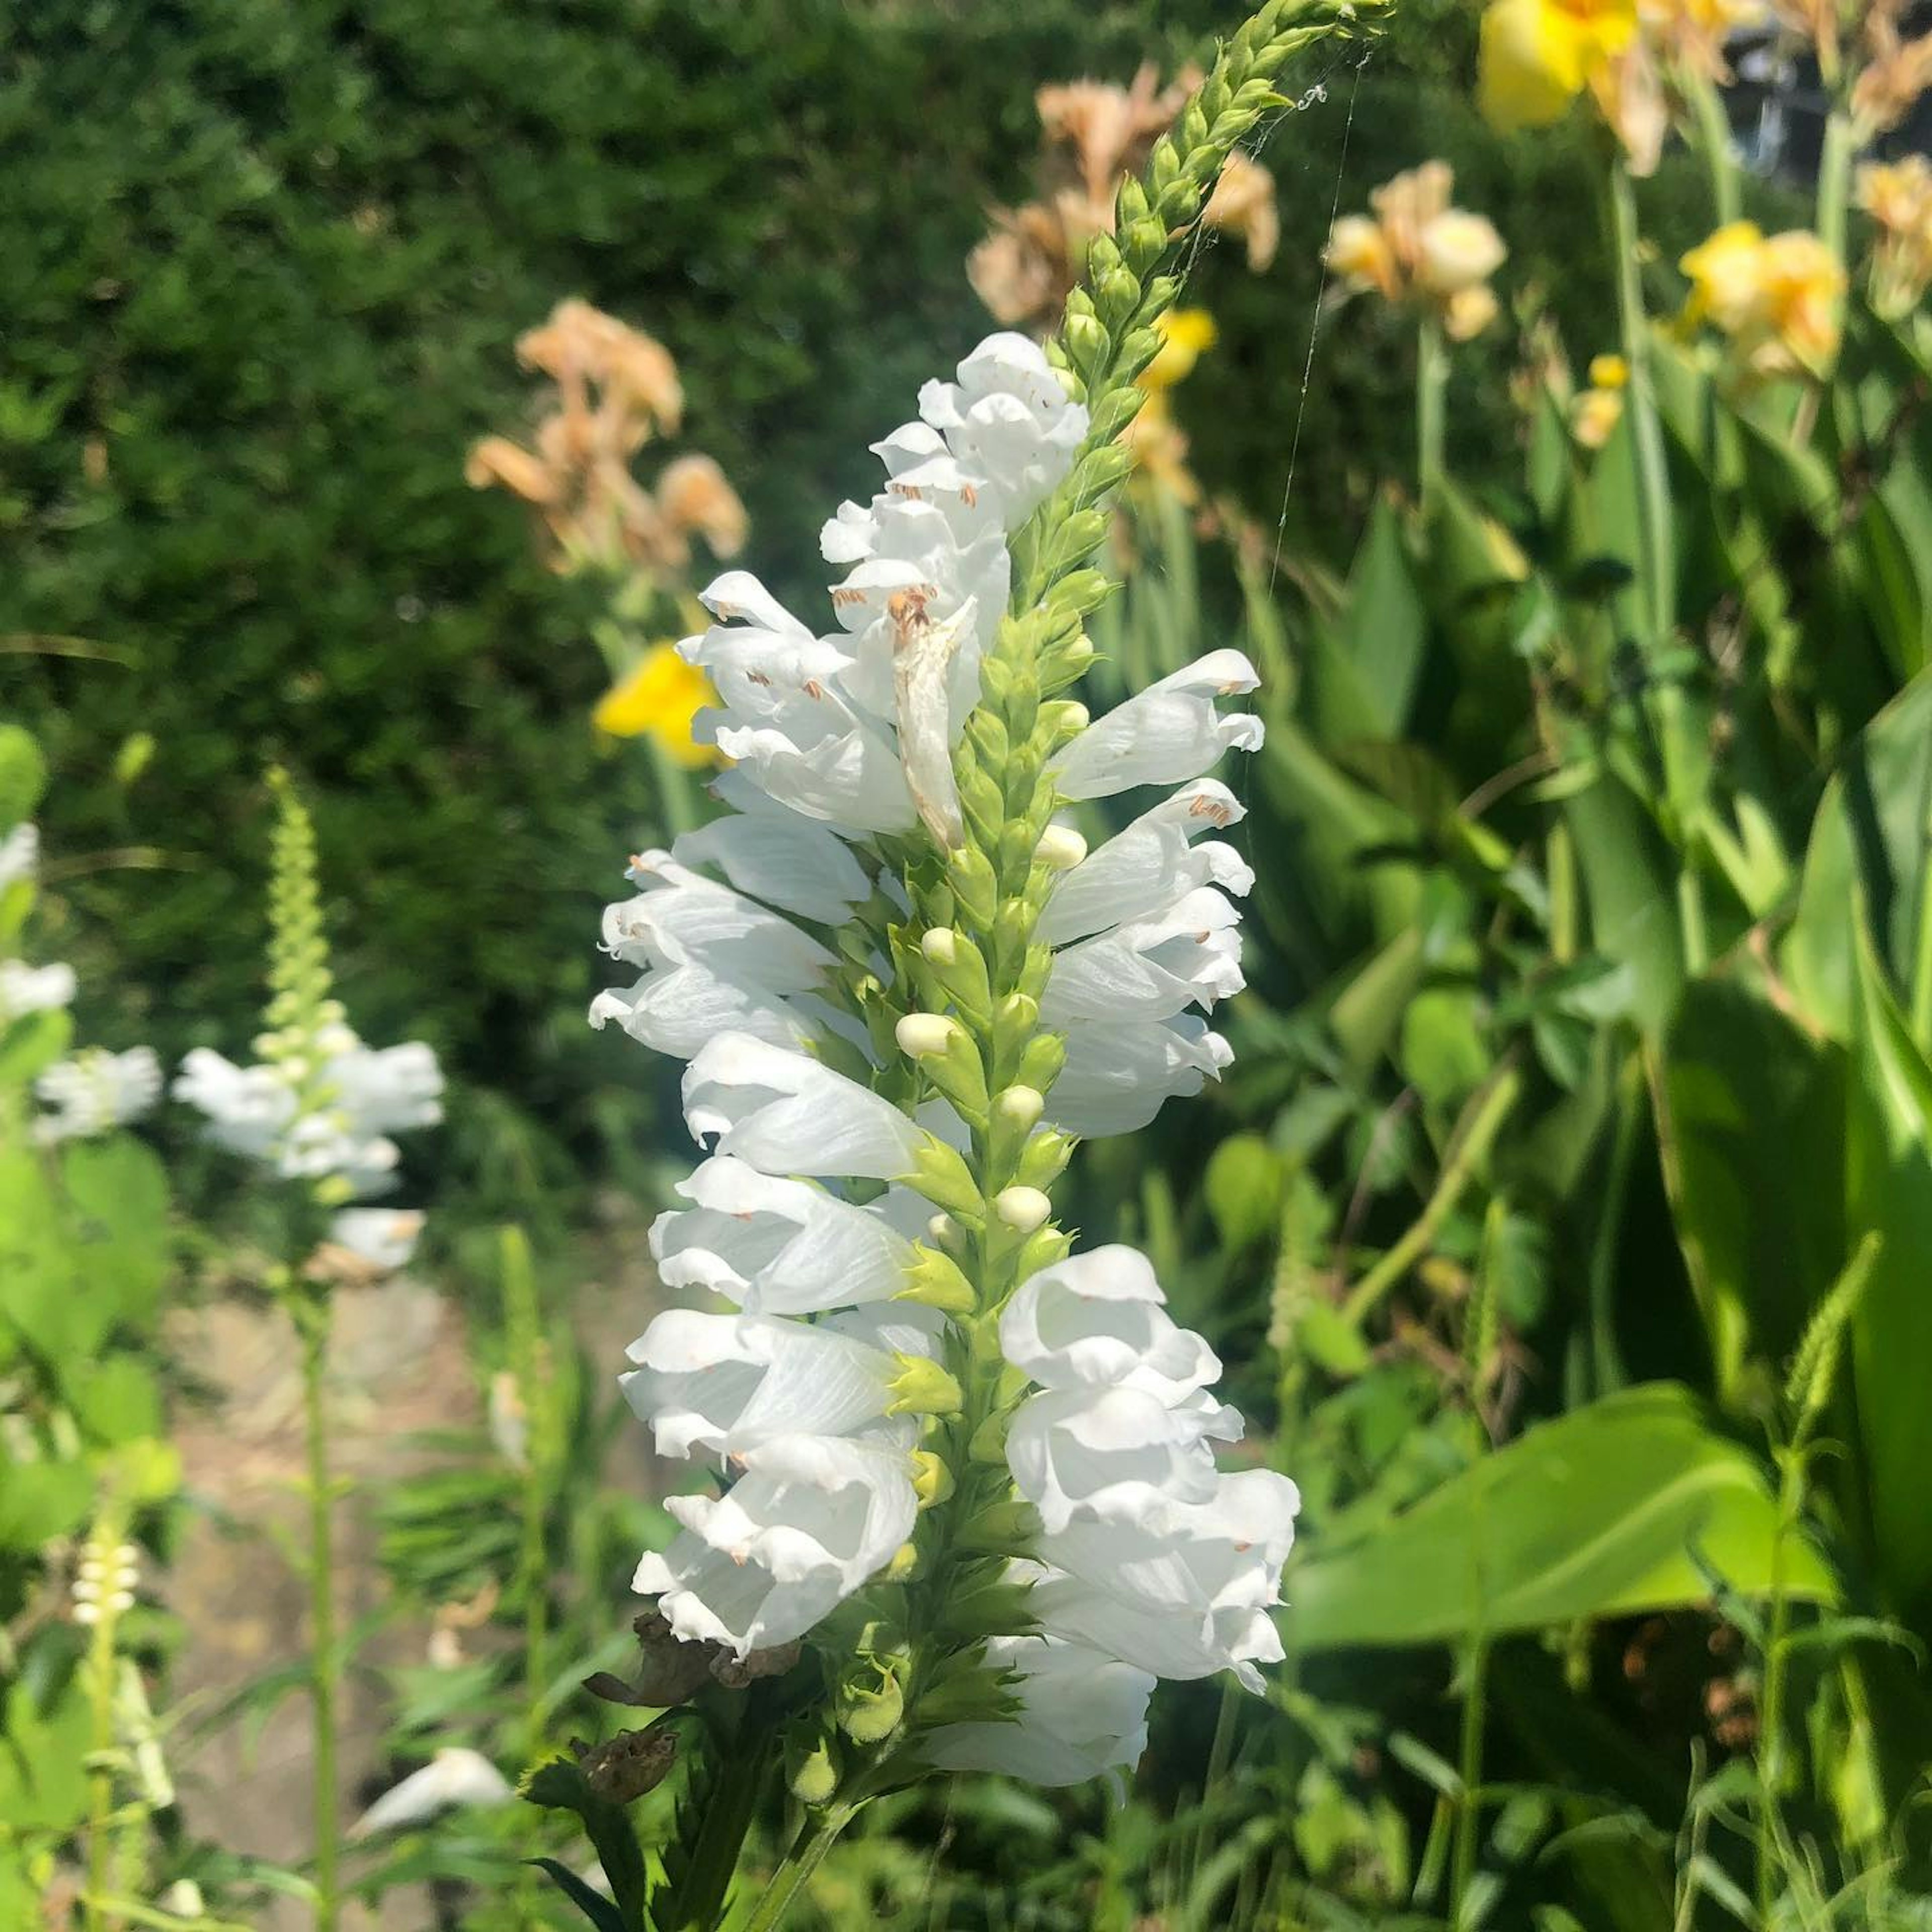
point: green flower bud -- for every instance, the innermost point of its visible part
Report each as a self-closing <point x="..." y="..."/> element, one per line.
<point x="1044" y="1160"/>
<point x="1039" y="1066"/>
<point x="970" y="874"/>
<point x="948" y="1057"/>
<point x="871" y="1703"/>
<point x="811" y="1767"/>
<point x="1020" y="1106"/>
<point x="988" y="1445"/>
<point x="922" y="1387"/>
<point x="943" y="1177"/>
<point x="932" y="1480"/>
<point x="1087" y="341"/>
<point x="1003" y="1529"/>
<point x="1042" y="1249"/>
<point x="960" y="968"/>
<point x="927" y="1036"/>
<point x="905" y="1560"/>
<point x="940" y="946"/>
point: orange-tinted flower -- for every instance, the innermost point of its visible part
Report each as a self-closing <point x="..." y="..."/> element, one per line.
<point x="1418" y="249"/>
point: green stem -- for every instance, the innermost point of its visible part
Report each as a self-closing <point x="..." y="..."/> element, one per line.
<point x="795" y="1870"/>
<point x="1691" y="915"/>
<point x="324" y="1678"/>
<point x="1714" y="141"/>
<point x="1469" y="1810"/>
<point x="1835" y="180"/>
<point x="100" y="1698"/>
<point x="1921" y="964"/>
<point x="1476" y="1133"/>
<point x="1431" y="381"/>
<point x="1771" y="1841"/>
<point x="1658" y="574"/>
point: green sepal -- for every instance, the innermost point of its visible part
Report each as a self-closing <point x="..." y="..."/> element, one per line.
<point x="970" y="873"/>
<point x="936" y="1280"/>
<point x="956" y="1071"/>
<point x="1045" y="1247"/>
<point x="1009" y="1529"/>
<point x="941" y="1174"/>
<point x="1044" y="1055"/>
<point x="1044" y="1159"/>
<point x="923" y="1387"/>
<point x="932" y="1480"/>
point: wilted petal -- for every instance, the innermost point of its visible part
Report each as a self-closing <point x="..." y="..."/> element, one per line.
<point x="454" y="1776"/>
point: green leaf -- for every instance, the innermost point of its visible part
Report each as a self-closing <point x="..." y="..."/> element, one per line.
<point x="1630" y="877"/>
<point x="1751" y="1131"/>
<point x="1632" y="1504"/>
<point x="559" y="1784"/>
<point x="1871" y="843"/>
<point x="1243" y="1185"/>
<point x="41" y="1500"/>
<point x="1384" y="630"/>
<point x="598" y="1910"/>
<point x="23" y="775"/>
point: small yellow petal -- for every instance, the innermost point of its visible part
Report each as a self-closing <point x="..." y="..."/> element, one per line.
<point x="661" y="696"/>
<point x="1185" y="333"/>
<point x="1609" y="372"/>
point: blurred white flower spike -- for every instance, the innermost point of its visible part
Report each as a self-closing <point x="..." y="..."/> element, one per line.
<point x="93" y="1092"/>
<point x="907" y="968"/>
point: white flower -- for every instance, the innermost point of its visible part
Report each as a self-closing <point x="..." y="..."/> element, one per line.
<point x="811" y="1519"/>
<point x="1150" y="866"/>
<point x="786" y="1113"/>
<point x="1082" y="1714"/>
<point x="455" y="1776"/>
<point x="1108" y="1452"/>
<point x="1009" y="417"/>
<point x="249" y="1109"/>
<point x="1180" y="1587"/>
<point x="1165" y="735"/>
<point x="1150" y="969"/>
<point x="777" y="1247"/>
<point x="1119" y="1073"/>
<point x="385" y="1237"/>
<point x="27" y="989"/>
<point x="19" y="855"/>
<point x="724" y="1383"/>
<point x="94" y="1092"/>
<point x="387" y="1089"/>
<point x="1095" y="1320"/>
<point x="793" y="864"/>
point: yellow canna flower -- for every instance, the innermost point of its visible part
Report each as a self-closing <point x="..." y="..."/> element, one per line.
<point x="1597" y="412"/>
<point x="1457" y="251"/>
<point x="659" y="697"/>
<point x="1359" y="253"/>
<point x="1609" y="372"/>
<point x="1417" y="248"/>
<point x="1779" y="298"/>
<point x="1537" y="55"/>
<point x="1186" y="335"/>
<point x="1897" y="196"/>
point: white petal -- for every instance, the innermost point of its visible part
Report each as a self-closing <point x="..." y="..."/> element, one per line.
<point x="454" y="1776"/>
<point x="724" y="1383"/>
<point x="737" y="594"/>
<point x="681" y="918"/>
<point x="19" y="855"/>
<point x="1151" y="969"/>
<point x="1118" y="1075"/>
<point x="1164" y="735"/>
<point x="811" y="1519"/>
<point x="1095" y="1320"/>
<point x="785" y="861"/>
<point x="680" y="1010"/>
<point x="850" y="778"/>
<point x="1147" y="867"/>
<point x="778" y="1246"/>
<point x="786" y="1113"/>
<point x="1082" y="1714"/>
<point x="385" y="1237"/>
<point x="1108" y="1452"/>
<point x="34" y="989"/>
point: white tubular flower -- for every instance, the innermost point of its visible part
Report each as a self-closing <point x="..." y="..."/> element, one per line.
<point x="1082" y="1714"/>
<point x="387" y="1089"/>
<point x="811" y="1519"/>
<point x="1095" y="1320"/>
<point x="1150" y="866"/>
<point x="1165" y="735"/>
<point x="1119" y="1073"/>
<point x="785" y="1113"/>
<point x="19" y="855"/>
<point x="27" y="989"/>
<point x="776" y="1247"/>
<point x="723" y="1383"/>
<point x="455" y="1776"/>
<point x="249" y="1109"/>
<point x="793" y="864"/>
<point x="1008" y="417"/>
<point x="1181" y="1588"/>
<point x="94" y="1092"/>
<point x="385" y="1237"/>
<point x="1150" y="969"/>
<point x="1113" y="1452"/>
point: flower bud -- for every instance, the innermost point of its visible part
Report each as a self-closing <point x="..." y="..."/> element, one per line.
<point x="931" y="1479"/>
<point x="811" y="1770"/>
<point x="1022" y="1209"/>
<point x="943" y="1177"/>
<point x="922" y="1035"/>
<point x="942" y="1231"/>
<point x="1060" y="847"/>
<point x="904" y="1562"/>
<point x="1021" y="1106"/>
<point x="922" y="1387"/>
<point x="871" y="1704"/>
<point x="941" y="945"/>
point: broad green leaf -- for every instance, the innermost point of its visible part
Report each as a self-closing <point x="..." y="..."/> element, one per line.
<point x="23" y="776"/>
<point x="1630" y="877"/>
<point x="1384" y="630"/>
<point x="41" y="1500"/>
<point x="1889" y="1192"/>
<point x="1752" y="1136"/>
<point x="1632" y="1504"/>
<point x="1243" y="1186"/>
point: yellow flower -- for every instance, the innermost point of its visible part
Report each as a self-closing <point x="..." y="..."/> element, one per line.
<point x="1609" y="372"/>
<point x="660" y="696"/>
<point x="1897" y="196"/>
<point x="1359" y="253"/>
<point x="1537" y="55"/>
<point x="1185" y="335"/>
<point x="1596" y="413"/>
<point x="1417" y="248"/>
<point x="1779" y="298"/>
<point x="1458" y="250"/>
